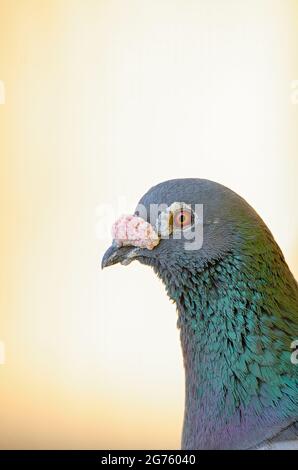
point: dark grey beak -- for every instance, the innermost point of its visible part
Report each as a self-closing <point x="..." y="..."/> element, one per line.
<point x="123" y="255"/>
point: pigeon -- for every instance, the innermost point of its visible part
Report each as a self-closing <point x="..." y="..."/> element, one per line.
<point x="237" y="310"/>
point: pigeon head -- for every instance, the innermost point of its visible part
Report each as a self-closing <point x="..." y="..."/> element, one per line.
<point x="195" y="222"/>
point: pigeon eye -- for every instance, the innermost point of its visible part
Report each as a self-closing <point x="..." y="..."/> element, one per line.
<point x="182" y="219"/>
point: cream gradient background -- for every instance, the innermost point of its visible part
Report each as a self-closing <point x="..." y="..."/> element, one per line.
<point x="105" y="98"/>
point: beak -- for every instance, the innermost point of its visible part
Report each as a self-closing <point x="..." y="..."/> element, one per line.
<point x="123" y="255"/>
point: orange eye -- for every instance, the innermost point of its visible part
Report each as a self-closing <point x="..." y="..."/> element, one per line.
<point x="182" y="219"/>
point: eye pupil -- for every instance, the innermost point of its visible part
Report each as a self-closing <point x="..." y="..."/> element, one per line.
<point x="182" y="218"/>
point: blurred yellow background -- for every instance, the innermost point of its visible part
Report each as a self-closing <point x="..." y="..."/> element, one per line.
<point x="103" y="99"/>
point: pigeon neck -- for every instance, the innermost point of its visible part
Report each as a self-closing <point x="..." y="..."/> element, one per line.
<point x="229" y="358"/>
